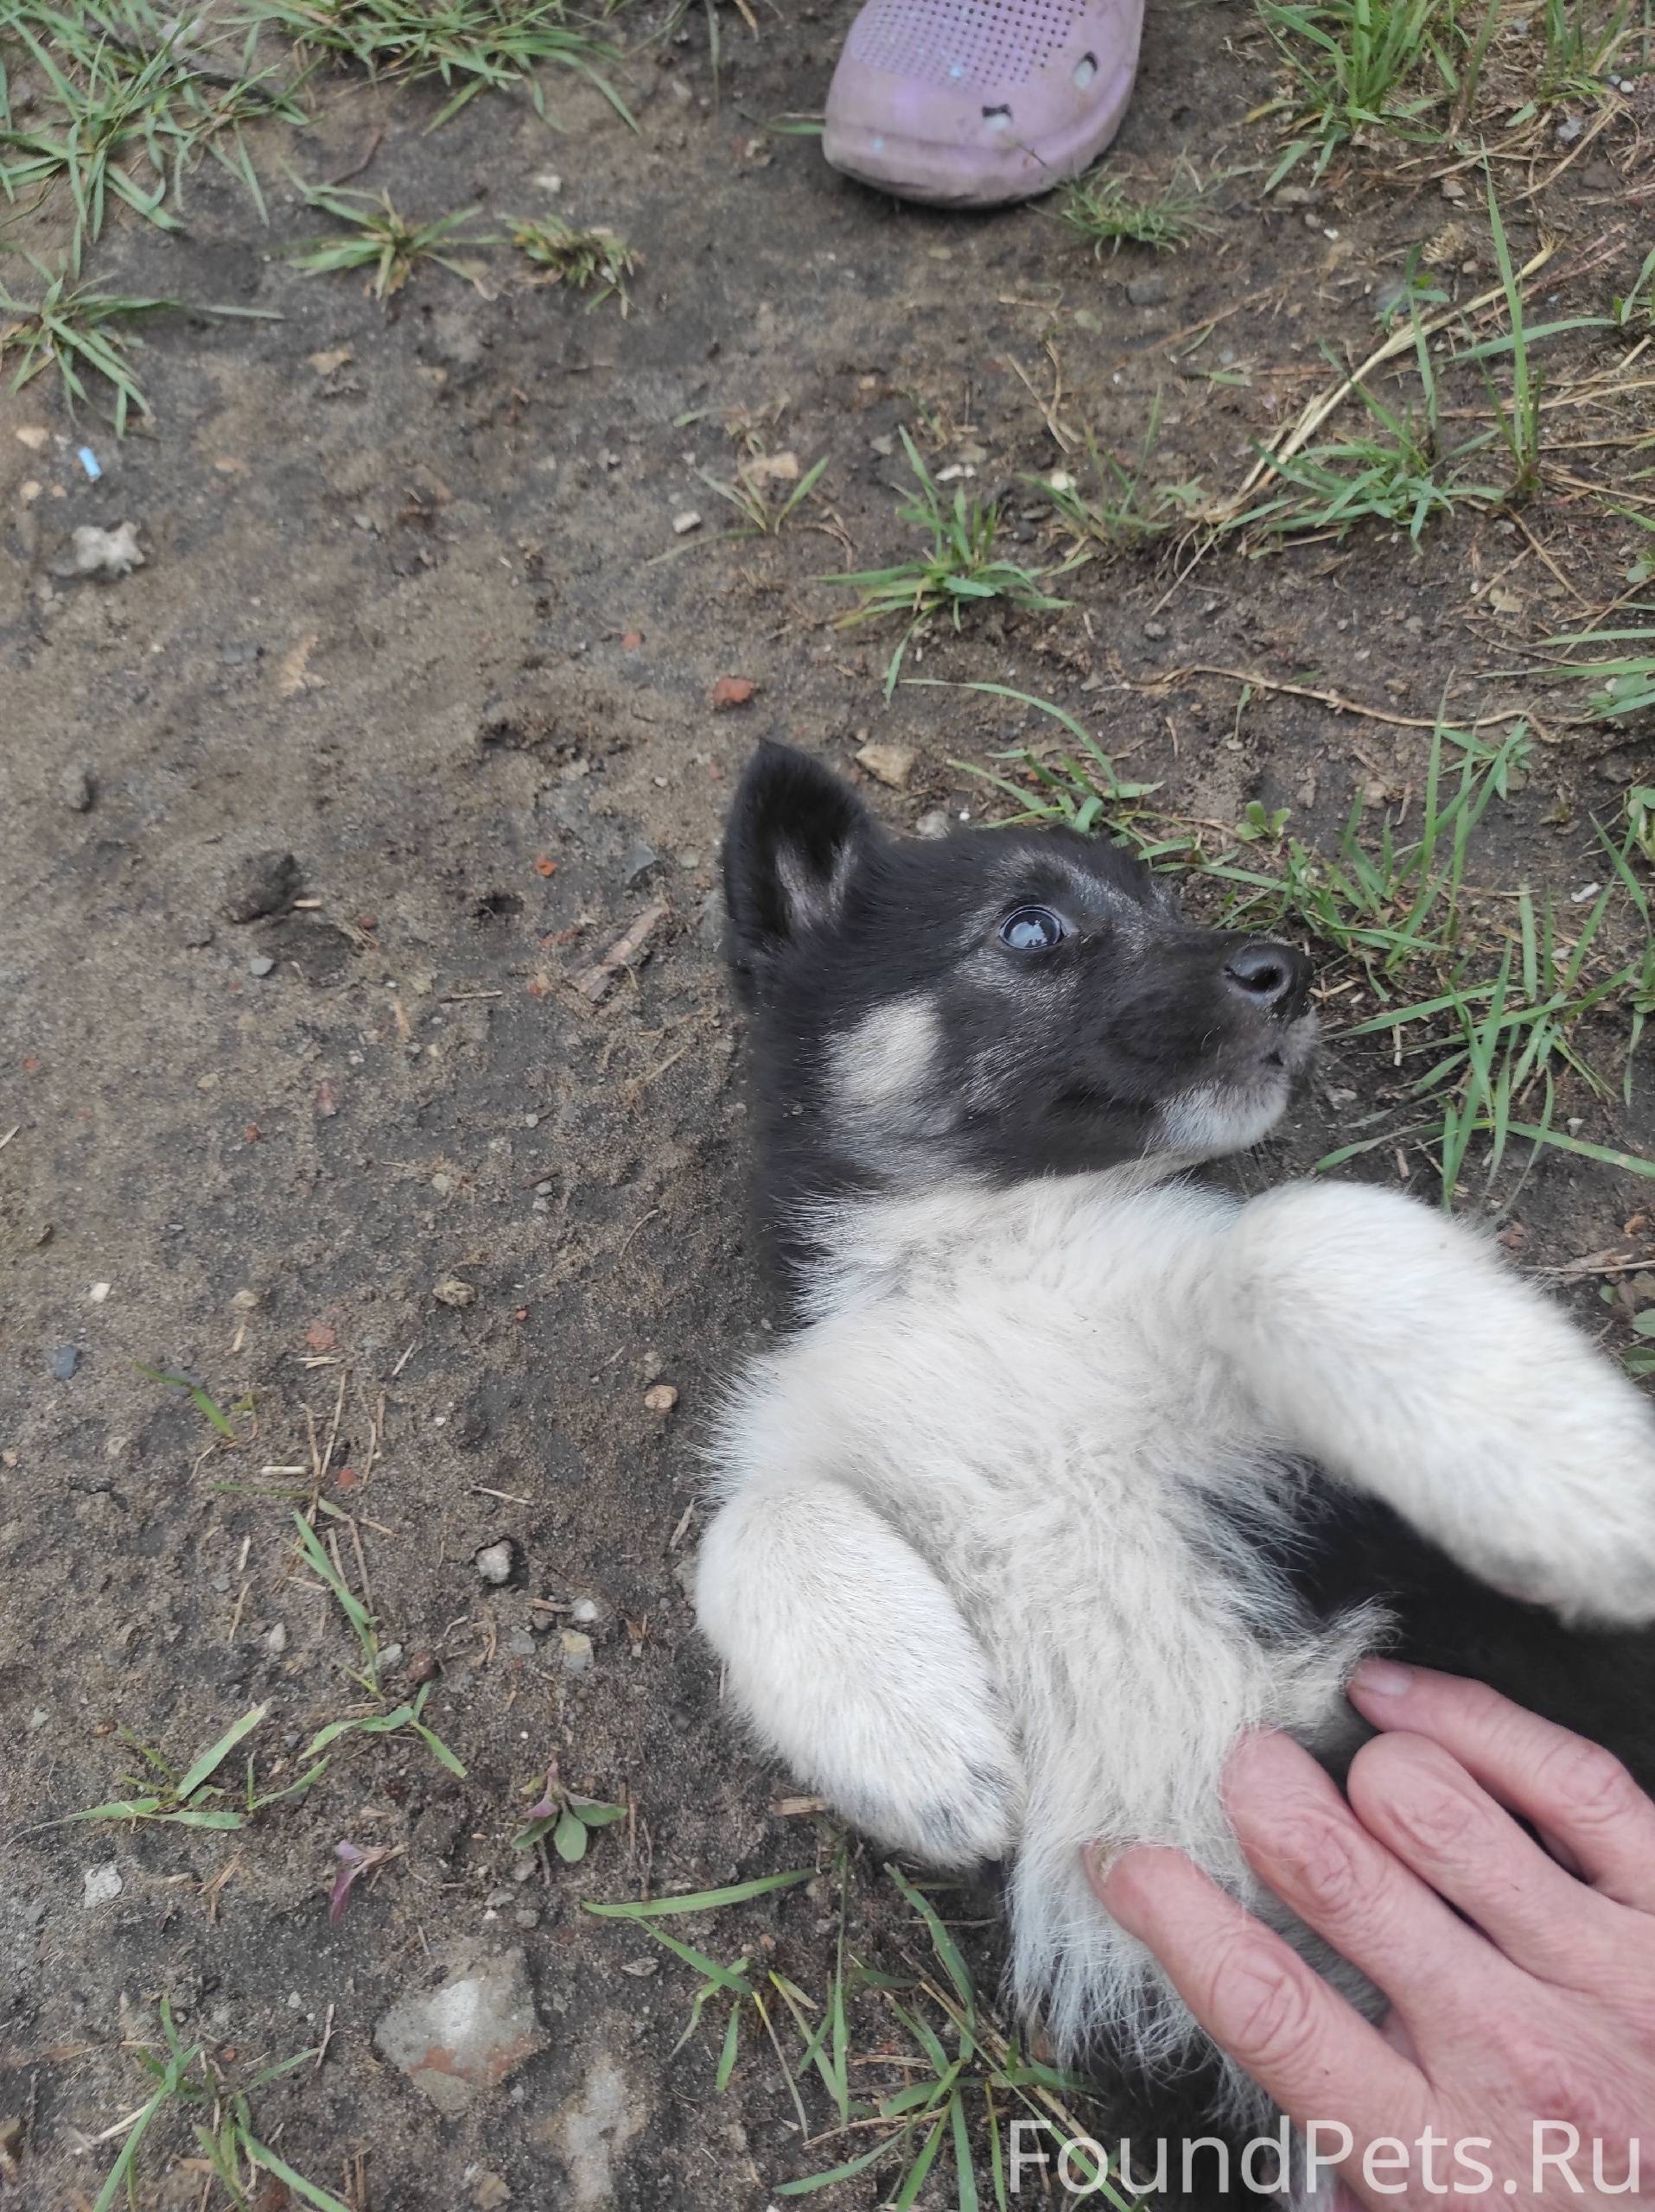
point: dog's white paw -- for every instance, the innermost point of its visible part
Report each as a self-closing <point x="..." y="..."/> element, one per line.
<point x="948" y="1796"/>
<point x="851" y="1660"/>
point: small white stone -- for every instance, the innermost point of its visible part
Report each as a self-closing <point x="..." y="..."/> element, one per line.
<point x="99" y="1291"/>
<point x="493" y="1562"/>
<point x="276" y="1639"/>
<point x="684" y="524"/>
<point x="112" y="553"/>
<point x="101" y="1886"/>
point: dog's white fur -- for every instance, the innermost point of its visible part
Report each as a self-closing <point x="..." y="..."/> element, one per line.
<point x="967" y="1578"/>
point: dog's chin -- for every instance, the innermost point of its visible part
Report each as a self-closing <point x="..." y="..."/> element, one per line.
<point x="1232" y="1112"/>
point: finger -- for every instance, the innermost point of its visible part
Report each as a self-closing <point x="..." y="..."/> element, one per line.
<point x="1574" y="1789"/>
<point x="1300" y="1835"/>
<point x="1422" y="1805"/>
<point x="1297" y="2038"/>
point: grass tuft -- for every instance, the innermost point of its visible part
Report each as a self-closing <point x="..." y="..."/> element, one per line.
<point x="1622" y="683"/>
<point x="378" y="238"/>
<point x="596" y="261"/>
<point x="959" y="568"/>
<point x="913" y="2059"/>
<point x="467" y="46"/>
<point x="1356" y="66"/>
<point x="1102" y="209"/>
<point x="129" y="103"/>
<point x="77" y="331"/>
<point x="187" y="2079"/>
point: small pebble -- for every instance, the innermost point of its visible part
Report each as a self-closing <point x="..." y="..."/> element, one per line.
<point x="77" y="790"/>
<point x="112" y="553"/>
<point x="575" y="1653"/>
<point x="661" y="1398"/>
<point x="99" y="1291"/>
<point x="453" y="1291"/>
<point x="1148" y="291"/>
<point x="195" y="934"/>
<point x="1154" y="630"/>
<point x="637" y="861"/>
<point x="261" y="964"/>
<point x="932" y="824"/>
<point x="276" y="1639"/>
<point x="684" y="524"/>
<point x="101" y="1884"/>
<point x="495" y="1561"/>
<point x="891" y="763"/>
<point x="258" y="884"/>
<point x="65" y="1360"/>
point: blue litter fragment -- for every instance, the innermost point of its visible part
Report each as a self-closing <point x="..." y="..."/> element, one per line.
<point x="88" y="461"/>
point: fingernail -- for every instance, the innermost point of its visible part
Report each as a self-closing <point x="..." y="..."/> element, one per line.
<point x="1382" y="1678"/>
<point x="1097" y="1860"/>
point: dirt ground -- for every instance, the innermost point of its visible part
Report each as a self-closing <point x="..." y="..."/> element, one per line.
<point x="413" y="608"/>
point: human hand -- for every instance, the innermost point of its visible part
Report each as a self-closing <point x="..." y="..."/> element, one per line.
<point x="1519" y="2060"/>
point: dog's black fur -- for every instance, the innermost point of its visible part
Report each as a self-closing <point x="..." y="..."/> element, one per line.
<point x="1086" y="1042"/>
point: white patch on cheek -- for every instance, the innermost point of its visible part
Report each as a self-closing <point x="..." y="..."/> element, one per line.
<point x="1216" y="1118"/>
<point x="881" y="1065"/>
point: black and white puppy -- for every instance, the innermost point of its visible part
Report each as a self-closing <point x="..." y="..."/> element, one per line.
<point x="1073" y="1469"/>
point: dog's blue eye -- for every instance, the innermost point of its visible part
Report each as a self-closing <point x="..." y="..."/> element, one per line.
<point x="1031" y="929"/>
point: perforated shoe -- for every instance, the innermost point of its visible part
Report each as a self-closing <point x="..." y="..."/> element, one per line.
<point x="973" y="103"/>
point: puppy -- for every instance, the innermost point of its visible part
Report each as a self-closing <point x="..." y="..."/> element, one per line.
<point x="1072" y="1470"/>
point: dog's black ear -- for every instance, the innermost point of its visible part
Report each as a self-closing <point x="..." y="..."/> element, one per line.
<point x="794" y="832"/>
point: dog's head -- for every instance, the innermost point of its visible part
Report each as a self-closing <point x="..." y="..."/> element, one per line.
<point x="1000" y="1003"/>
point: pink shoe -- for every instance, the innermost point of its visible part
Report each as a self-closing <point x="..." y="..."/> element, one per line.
<point x="972" y="103"/>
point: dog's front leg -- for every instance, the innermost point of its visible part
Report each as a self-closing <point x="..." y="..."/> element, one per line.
<point x="852" y="1661"/>
<point x="1396" y="1349"/>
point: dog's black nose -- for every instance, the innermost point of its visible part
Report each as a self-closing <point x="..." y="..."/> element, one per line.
<point x="1273" y="977"/>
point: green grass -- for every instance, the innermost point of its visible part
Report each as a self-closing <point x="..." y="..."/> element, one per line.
<point x="1102" y="209"/>
<point x="1497" y="1013"/>
<point x="953" y="2082"/>
<point x="1584" y="43"/>
<point x="957" y="567"/>
<point x="596" y="261"/>
<point x="189" y="2080"/>
<point x="1119" y="506"/>
<point x="466" y="45"/>
<point x="766" y="505"/>
<point x="127" y="104"/>
<point x="378" y="238"/>
<point x="1359" y="67"/>
<point x="163" y="1793"/>
<point x="1392" y="472"/>
<point x="1619" y="684"/>
<point x="79" y="333"/>
<point x="388" y="1720"/>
